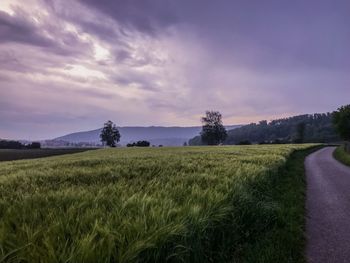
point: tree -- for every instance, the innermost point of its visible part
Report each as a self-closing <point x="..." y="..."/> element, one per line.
<point x="213" y="131"/>
<point x="110" y="134"/>
<point x="139" y="144"/>
<point x="34" y="145"/>
<point x="341" y="121"/>
<point x="245" y="142"/>
<point x="263" y="123"/>
<point x="300" y="132"/>
<point x="5" y="144"/>
<point x="318" y="128"/>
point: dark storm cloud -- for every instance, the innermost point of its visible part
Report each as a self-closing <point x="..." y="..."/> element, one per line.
<point x="18" y="28"/>
<point x="90" y="60"/>
<point x="274" y="33"/>
<point x="21" y="28"/>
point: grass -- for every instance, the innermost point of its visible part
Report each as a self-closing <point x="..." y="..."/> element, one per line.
<point x="14" y="154"/>
<point x="186" y="204"/>
<point x="341" y="155"/>
<point x="284" y="241"/>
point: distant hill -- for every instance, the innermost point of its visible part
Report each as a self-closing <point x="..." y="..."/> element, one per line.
<point x="156" y="135"/>
<point x="318" y="128"/>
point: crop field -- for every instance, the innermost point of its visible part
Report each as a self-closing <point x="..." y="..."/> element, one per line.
<point x="18" y="154"/>
<point x="184" y="204"/>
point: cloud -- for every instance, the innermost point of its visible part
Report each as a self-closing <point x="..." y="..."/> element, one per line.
<point x="70" y="65"/>
<point x="17" y="28"/>
<point x="148" y="16"/>
<point x="40" y="31"/>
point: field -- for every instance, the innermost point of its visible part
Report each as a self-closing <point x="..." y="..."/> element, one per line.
<point x="18" y="154"/>
<point x="185" y="204"/>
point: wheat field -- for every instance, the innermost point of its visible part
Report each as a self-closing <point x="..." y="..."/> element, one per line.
<point x="181" y="204"/>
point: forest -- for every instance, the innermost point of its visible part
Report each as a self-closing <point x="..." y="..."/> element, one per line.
<point x="307" y="128"/>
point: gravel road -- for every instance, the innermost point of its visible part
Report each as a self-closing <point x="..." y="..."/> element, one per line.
<point x="328" y="208"/>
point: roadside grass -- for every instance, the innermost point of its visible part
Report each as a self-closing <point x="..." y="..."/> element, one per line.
<point x="19" y="154"/>
<point x="284" y="241"/>
<point x="341" y="155"/>
<point x="186" y="204"/>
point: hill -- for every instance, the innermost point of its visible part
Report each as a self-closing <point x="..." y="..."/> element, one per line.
<point x="156" y="135"/>
<point x="318" y="128"/>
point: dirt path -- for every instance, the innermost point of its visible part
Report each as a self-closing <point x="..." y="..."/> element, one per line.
<point x="328" y="208"/>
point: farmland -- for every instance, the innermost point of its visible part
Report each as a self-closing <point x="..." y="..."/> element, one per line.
<point x="18" y="154"/>
<point x="185" y="204"/>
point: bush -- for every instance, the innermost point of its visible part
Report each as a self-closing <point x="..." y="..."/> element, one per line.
<point x="245" y="142"/>
<point x="5" y="144"/>
<point x="34" y="145"/>
<point x="139" y="144"/>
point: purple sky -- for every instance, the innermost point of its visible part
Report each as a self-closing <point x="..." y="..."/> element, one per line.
<point x="68" y="66"/>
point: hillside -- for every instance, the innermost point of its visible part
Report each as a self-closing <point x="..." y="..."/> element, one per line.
<point x="156" y="135"/>
<point x="318" y="128"/>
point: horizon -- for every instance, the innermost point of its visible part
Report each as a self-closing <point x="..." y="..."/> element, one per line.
<point x="69" y="67"/>
<point x="154" y="126"/>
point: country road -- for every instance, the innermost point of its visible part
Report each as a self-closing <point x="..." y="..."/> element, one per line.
<point x="328" y="208"/>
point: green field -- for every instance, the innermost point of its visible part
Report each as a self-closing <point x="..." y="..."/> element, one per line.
<point x="18" y="154"/>
<point x="185" y="204"/>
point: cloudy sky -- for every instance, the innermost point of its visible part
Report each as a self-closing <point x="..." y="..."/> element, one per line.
<point x="68" y="66"/>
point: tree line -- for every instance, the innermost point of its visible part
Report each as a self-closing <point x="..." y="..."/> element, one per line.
<point x="10" y="144"/>
<point x="341" y="121"/>
<point x="307" y="128"/>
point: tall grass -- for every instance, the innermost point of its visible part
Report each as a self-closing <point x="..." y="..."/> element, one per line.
<point x="191" y="204"/>
<point x="342" y="155"/>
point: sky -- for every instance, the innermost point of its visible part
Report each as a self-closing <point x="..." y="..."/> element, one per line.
<point x="69" y="66"/>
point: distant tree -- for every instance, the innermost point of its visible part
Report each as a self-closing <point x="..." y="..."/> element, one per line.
<point x="263" y="123"/>
<point x="34" y="145"/>
<point x="5" y="144"/>
<point x="213" y="131"/>
<point x="278" y="141"/>
<point x="319" y="128"/>
<point x="143" y="143"/>
<point x="110" y="134"/>
<point x="139" y="144"/>
<point x="185" y="144"/>
<point x="300" y="129"/>
<point x="246" y="142"/>
<point x="341" y="121"/>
